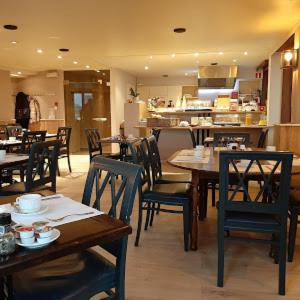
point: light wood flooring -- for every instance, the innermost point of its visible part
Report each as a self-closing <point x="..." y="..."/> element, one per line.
<point x="160" y="269"/>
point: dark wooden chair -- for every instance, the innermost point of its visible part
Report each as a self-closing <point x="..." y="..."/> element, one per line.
<point x="169" y="197"/>
<point x="158" y="176"/>
<point x="95" y="146"/>
<point x="41" y="170"/>
<point x="265" y="211"/>
<point x="31" y="137"/>
<point x="64" y="135"/>
<point x="83" y="275"/>
<point x="262" y="138"/>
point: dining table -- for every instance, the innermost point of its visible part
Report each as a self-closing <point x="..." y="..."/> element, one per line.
<point x="13" y="160"/>
<point x="74" y="237"/>
<point x="205" y="169"/>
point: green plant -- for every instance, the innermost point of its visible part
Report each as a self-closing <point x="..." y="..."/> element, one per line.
<point x="133" y="93"/>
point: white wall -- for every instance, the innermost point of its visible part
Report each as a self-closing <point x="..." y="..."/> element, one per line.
<point x="49" y="91"/>
<point x="274" y="93"/>
<point x="7" y="105"/>
<point x="120" y="83"/>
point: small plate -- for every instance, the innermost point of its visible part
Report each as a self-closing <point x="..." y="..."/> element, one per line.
<point x="43" y="209"/>
<point x="36" y="244"/>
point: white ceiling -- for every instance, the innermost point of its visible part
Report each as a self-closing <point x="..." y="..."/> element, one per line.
<point x="124" y="33"/>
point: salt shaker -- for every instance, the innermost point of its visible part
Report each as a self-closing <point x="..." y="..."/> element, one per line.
<point x="7" y="237"/>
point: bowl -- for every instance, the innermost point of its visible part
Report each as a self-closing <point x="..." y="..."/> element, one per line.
<point x="28" y="241"/>
<point x="25" y="232"/>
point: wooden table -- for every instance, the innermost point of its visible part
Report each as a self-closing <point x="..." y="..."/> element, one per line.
<point x="201" y="173"/>
<point x="75" y="237"/>
<point x="13" y="160"/>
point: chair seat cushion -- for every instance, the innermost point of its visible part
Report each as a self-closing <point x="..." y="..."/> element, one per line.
<point x="175" y="177"/>
<point x="76" y="276"/>
<point x="245" y="220"/>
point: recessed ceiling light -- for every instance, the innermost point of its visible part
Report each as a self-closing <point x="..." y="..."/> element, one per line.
<point x="59" y="57"/>
<point x="150" y="56"/>
<point x="87" y="66"/>
<point x="221" y="53"/>
<point x="245" y="53"/>
<point x="234" y="60"/>
<point x="75" y="62"/>
<point x="103" y="74"/>
<point x="173" y="55"/>
<point x="146" y="68"/>
<point x="39" y="51"/>
<point x="179" y="30"/>
<point x="64" y="50"/>
<point x="186" y="74"/>
<point x="13" y="42"/>
<point x="98" y="71"/>
<point x="10" y="27"/>
<point x="19" y="73"/>
<point x="196" y="54"/>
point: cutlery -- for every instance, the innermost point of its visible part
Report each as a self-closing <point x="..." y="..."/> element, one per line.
<point x="60" y="219"/>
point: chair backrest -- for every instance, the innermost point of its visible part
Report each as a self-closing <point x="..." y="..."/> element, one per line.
<point x="63" y="135"/>
<point x="42" y="165"/>
<point x="31" y="137"/>
<point x="262" y="138"/>
<point x="124" y="189"/>
<point x="154" y="158"/>
<point x="223" y="138"/>
<point x="13" y="130"/>
<point x="273" y="169"/>
<point x="93" y="141"/>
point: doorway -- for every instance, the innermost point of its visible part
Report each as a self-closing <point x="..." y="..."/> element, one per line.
<point x="87" y="106"/>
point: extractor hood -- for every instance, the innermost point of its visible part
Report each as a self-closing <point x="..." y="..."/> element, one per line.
<point x="217" y="77"/>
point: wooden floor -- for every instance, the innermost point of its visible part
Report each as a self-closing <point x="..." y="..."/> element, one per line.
<point x="160" y="269"/>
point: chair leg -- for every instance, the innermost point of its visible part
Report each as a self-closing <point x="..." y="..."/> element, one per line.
<point x="186" y="226"/>
<point x="220" y="282"/>
<point x="139" y="226"/>
<point x="58" y="172"/>
<point x="152" y="214"/>
<point x="158" y="208"/>
<point x="292" y="235"/>
<point x="147" y="216"/>
<point x="213" y="194"/>
<point x="282" y="260"/>
<point x="69" y="163"/>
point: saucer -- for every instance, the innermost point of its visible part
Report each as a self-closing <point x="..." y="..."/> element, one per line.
<point x="18" y="212"/>
<point x="55" y="235"/>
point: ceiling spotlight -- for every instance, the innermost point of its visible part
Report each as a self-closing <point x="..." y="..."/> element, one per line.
<point x="245" y="53"/>
<point x="146" y="68"/>
<point x="150" y="56"/>
<point x="98" y="71"/>
<point x="13" y="42"/>
<point x="221" y="53"/>
<point x="39" y="51"/>
<point x="173" y="55"/>
<point x="196" y="54"/>
<point x="59" y="57"/>
<point x="186" y="74"/>
<point x="234" y="60"/>
<point x="19" y="73"/>
<point x="64" y="50"/>
<point x="87" y="66"/>
<point x="10" y="27"/>
<point x="75" y="62"/>
<point x="103" y="74"/>
<point x="179" y="30"/>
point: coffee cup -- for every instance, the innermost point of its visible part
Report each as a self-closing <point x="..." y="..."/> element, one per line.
<point x="242" y="147"/>
<point x="29" y="203"/>
<point x="2" y="154"/>
<point x="271" y="148"/>
<point x="232" y="146"/>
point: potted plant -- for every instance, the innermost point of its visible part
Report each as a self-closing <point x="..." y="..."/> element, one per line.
<point x="134" y="95"/>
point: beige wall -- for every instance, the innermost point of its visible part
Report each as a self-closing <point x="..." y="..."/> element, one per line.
<point x="48" y="91"/>
<point x="6" y="99"/>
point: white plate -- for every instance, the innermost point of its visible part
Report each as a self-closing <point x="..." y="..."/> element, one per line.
<point x="43" y="209"/>
<point x="36" y="244"/>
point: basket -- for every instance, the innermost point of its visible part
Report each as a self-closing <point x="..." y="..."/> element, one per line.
<point x="162" y="122"/>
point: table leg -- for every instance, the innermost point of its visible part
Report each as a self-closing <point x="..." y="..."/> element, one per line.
<point x="6" y="288"/>
<point x="194" y="210"/>
<point x="202" y="198"/>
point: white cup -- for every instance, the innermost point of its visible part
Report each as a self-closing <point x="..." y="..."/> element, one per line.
<point x="2" y="154"/>
<point x="29" y="203"/>
<point x="12" y="138"/>
<point x="233" y="145"/>
<point x="270" y="148"/>
<point x="242" y="147"/>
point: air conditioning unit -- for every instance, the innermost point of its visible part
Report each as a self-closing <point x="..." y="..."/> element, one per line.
<point x="52" y="74"/>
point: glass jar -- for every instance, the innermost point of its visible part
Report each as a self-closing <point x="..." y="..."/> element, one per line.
<point x="248" y="119"/>
<point x="7" y="237"/>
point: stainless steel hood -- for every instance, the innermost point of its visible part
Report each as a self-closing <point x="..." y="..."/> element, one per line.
<point x="217" y="77"/>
